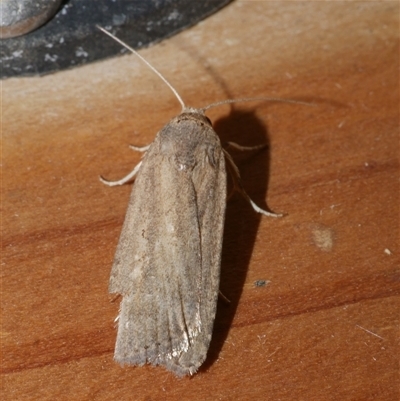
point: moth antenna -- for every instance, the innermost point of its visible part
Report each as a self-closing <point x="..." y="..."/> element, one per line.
<point x="253" y="99"/>
<point x="146" y="62"/>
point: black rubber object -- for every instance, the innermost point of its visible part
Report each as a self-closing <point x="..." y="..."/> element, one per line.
<point x="71" y="37"/>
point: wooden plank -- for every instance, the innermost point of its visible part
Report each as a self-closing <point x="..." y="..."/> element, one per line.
<point x="325" y="326"/>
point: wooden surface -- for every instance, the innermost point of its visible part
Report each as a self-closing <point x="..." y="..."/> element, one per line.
<point x="325" y="326"/>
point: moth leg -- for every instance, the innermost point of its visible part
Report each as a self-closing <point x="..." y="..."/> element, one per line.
<point x="230" y="194"/>
<point x="239" y="187"/>
<point x="224" y="298"/>
<point x="124" y="180"/>
<point x="235" y="145"/>
<point x="139" y="148"/>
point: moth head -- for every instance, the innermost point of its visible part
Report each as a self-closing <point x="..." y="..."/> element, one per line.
<point x="191" y="113"/>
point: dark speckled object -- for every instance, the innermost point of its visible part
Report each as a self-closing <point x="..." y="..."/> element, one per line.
<point x="71" y="38"/>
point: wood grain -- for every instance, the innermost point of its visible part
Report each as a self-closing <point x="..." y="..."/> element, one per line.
<point x="326" y="324"/>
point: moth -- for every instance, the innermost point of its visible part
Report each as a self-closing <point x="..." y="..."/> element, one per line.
<point x="167" y="263"/>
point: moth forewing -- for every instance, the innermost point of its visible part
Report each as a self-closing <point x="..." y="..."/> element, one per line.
<point x="167" y="264"/>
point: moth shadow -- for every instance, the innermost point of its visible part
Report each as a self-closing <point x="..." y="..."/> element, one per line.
<point x="241" y="221"/>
